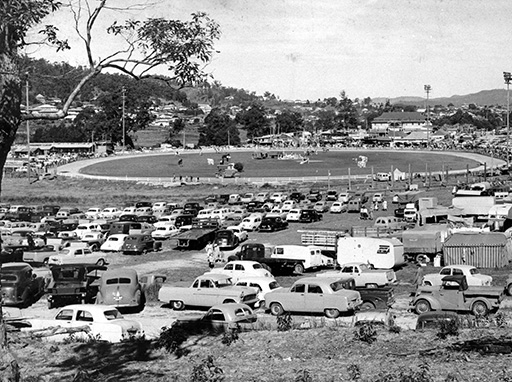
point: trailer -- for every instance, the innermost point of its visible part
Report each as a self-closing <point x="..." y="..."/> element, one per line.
<point x="478" y="206"/>
<point x="381" y="253"/>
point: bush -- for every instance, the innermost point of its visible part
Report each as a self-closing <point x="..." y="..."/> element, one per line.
<point x="448" y="328"/>
<point x="206" y="371"/>
<point x="171" y="340"/>
<point x="239" y="166"/>
<point x="284" y="322"/>
<point x="231" y="335"/>
<point x="366" y="333"/>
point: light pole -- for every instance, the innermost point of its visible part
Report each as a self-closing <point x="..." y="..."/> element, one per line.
<point x="428" y="88"/>
<point x="28" y="130"/>
<point x="124" y="125"/>
<point x="507" y="76"/>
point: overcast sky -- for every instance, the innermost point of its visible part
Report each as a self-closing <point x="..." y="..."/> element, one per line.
<point x="305" y="49"/>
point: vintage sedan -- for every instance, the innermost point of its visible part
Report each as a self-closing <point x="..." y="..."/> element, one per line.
<point x="206" y="291"/>
<point x="338" y="208"/>
<point x="263" y="285"/>
<point x="293" y="215"/>
<point x="138" y="244"/>
<point x="121" y="288"/>
<point x="164" y="232"/>
<point x="20" y="286"/>
<point x="321" y="207"/>
<point x="313" y="295"/>
<point x="78" y="255"/>
<point x="220" y="318"/>
<point x="242" y="268"/>
<point x="114" y="243"/>
<point x="273" y="223"/>
<point x="239" y="232"/>
<point x="473" y="276"/>
<point x="98" y="321"/>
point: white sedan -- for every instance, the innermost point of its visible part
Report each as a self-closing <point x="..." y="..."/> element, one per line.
<point x="165" y="232"/>
<point x="262" y="284"/>
<point x="472" y="274"/>
<point x="114" y="243"/>
<point x="293" y="215"/>
<point x="239" y="232"/>
<point x="337" y="208"/>
<point x="241" y="268"/>
<point x="102" y="321"/>
<point x="251" y="223"/>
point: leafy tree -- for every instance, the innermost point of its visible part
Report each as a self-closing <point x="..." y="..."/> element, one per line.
<point x="289" y="121"/>
<point x="176" y="128"/>
<point x="218" y="129"/>
<point x="254" y="120"/>
<point x="183" y="47"/>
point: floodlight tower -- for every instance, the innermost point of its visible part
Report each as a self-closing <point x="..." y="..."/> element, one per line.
<point x="508" y="77"/>
<point x="123" y="121"/>
<point x="428" y="88"/>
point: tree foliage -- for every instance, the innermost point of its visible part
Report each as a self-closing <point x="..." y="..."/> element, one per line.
<point x="289" y="122"/>
<point x="218" y="129"/>
<point x="254" y="120"/>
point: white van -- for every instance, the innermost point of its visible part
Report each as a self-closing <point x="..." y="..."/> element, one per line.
<point x="383" y="177"/>
<point x="205" y="214"/>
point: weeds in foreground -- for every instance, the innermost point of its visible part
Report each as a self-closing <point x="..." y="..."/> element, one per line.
<point x="420" y="374"/>
<point x="207" y="371"/>
<point x="303" y="375"/>
<point x="366" y="333"/>
<point x="448" y="328"/>
<point x="284" y="322"/>
<point x="171" y="339"/>
<point x="231" y="335"/>
<point x="87" y="339"/>
<point x="354" y="372"/>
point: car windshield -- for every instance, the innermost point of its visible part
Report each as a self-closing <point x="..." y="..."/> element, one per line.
<point x="112" y="314"/>
<point x="119" y="280"/>
<point x="474" y="271"/>
<point x="257" y="266"/>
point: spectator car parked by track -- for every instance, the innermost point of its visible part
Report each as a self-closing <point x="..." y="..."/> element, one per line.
<point x="473" y="276"/>
<point x="337" y="208"/>
<point x="272" y="223"/>
<point x="251" y="223"/>
<point x="165" y="232"/>
<point x="293" y="215"/>
<point x="241" y="268"/>
<point x="121" y="288"/>
<point x="20" y="285"/>
<point x="114" y="243"/>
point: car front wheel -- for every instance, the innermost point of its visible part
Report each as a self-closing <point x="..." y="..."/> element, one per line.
<point x="100" y="262"/>
<point x="479" y="308"/>
<point x="422" y="306"/>
<point x="509" y="289"/>
<point x="276" y="309"/>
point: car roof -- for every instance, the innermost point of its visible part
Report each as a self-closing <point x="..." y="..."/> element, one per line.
<point x="461" y="266"/>
<point x="90" y="307"/>
<point x="214" y="276"/>
<point x="120" y="272"/>
<point x="316" y="280"/>
<point x="19" y="265"/>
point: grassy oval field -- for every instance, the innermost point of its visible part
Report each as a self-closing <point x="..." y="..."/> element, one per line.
<point x="337" y="163"/>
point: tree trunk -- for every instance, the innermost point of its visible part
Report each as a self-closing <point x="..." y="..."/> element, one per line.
<point x="10" y="119"/>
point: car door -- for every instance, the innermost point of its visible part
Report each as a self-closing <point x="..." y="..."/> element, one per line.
<point x="451" y="297"/>
<point x="314" y="299"/>
<point x="294" y="301"/>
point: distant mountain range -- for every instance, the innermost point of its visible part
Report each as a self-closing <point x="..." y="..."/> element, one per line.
<point x="482" y="98"/>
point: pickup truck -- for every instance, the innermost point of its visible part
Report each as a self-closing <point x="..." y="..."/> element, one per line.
<point x="372" y="298"/>
<point x="455" y="294"/>
<point x="206" y="291"/>
<point x="363" y="276"/>
<point x="39" y="255"/>
<point x="202" y="232"/>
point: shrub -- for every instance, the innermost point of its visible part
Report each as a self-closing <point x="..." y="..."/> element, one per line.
<point x="206" y="371"/>
<point x="284" y="322"/>
<point x="231" y="335"/>
<point x="303" y="375"/>
<point x="239" y="166"/>
<point x="366" y="333"/>
<point x="171" y="340"/>
<point x="448" y="328"/>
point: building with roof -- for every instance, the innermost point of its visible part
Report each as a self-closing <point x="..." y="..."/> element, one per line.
<point x="399" y="121"/>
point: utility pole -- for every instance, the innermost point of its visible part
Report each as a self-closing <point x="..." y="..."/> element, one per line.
<point x="507" y="76"/>
<point x="428" y="88"/>
<point x="28" y="129"/>
<point x="124" y="125"/>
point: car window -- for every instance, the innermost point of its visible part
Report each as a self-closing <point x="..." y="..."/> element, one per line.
<point x="315" y="289"/>
<point x="112" y="314"/>
<point x="205" y="284"/>
<point x="229" y="267"/>
<point x="445" y="271"/>
<point x="280" y="251"/>
<point x="215" y="315"/>
<point x="65" y="315"/>
<point x="241" y="283"/>
<point x="298" y="288"/>
<point x="84" y="315"/>
<point x="474" y="271"/>
<point x="273" y="285"/>
<point x="257" y="266"/>
<point x="457" y="271"/>
<point x="239" y="267"/>
<point x="347" y="269"/>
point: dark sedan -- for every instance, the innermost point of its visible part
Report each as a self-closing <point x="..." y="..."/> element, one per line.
<point x="273" y="223"/>
<point x="309" y="216"/>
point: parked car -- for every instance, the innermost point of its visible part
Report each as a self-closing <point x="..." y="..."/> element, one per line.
<point x="362" y="275"/>
<point x="103" y="322"/>
<point x="121" y="288"/>
<point x="434" y="320"/>
<point x="251" y="223"/>
<point x="277" y="212"/>
<point x="473" y="276"/>
<point x="272" y="223"/>
<point x="262" y="284"/>
<point x="314" y="195"/>
<point x="254" y="205"/>
<point x="338" y="208"/>
<point x="226" y="239"/>
<point x="344" y="197"/>
<point x="218" y="319"/>
<point x="378" y="197"/>
<point x="94" y="240"/>
<point x="93" y="212"/>
<point x="110" y="213"/>
<point x="309" y="216"/>
<point x="321" y="207"/>
<point x="247" y="197"/>
<point x="114" y="243"/>
<point x="313" y="295"/>
<point x="77" y="255"/>
<point x="239" y="232"/>
<point x="288" y="205"/>
<point x="293" y="215"/>
<point x="261" y="197"/>
<point x="164" y="232"/>
<point x="19" y="285"/>
<point x="138" y="244"/>
<point x="206" y="291"/>
<point x="241" y="268"/>
<point x="297" y="196"/>
<point x="73" y="284"/>
<point x="151" y="219"/>
<point x="278" y="197"/>
<point x="455" y="294"/>
<point x="331" y="195"/>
